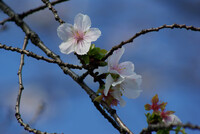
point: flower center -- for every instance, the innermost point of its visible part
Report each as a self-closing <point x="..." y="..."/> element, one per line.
<point x="79" y="36"/>
<point x="118" y="69"/>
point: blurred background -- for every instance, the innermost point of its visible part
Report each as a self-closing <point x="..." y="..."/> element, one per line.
<point x="169" y="62"/>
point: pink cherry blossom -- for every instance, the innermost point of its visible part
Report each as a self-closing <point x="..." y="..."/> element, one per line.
<point x="128" y="82"/>
<point x="78" y="37"/>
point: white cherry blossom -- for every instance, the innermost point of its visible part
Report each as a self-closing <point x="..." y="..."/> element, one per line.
<point x="78" y="37"/>
<point x="127" y="83"/>
<point x="172" y="119"/>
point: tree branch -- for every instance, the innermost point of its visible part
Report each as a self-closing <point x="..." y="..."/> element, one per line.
<point x="96" y="104"/>
<point x="36" y="41"/>
<point x="21" y="88"/>
<point x="145" y="31"/>
<point x="49" y="5"/>
<point x="156" y="127"/>
<point x="38" y="57"/>
<point x="29" y="12"/>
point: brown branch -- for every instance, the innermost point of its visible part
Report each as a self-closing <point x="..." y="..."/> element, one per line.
<point x="21" y="88"/>
<point x="38" y="57"/>
<point x="145" y="31"/>
<point x="5" y="20"/>
<point x="96" y="78"/>
<point x="23" y="15"/>
<point x="36" y="41"/>
<point x="29" y="12"/>
<point x="83" y="76"/>
<point x="119" y="121"/>
<point x="156" y="127"/>
<point x="96" y="104"/>
<point x="49" y="5"/>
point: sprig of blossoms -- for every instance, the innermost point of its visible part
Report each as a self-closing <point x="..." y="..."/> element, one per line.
<point x="121" y="78"/>
<point x="160" y="115"/>
<point x="78" y="37"/>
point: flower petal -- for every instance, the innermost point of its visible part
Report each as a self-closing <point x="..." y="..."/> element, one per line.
<point x="82" y="47"/>
<point x="82" y="22"/>
<point x="113" y="60"/>
<point x="131" y="86"/>
<point x="67" y="47"/>
<point x="92" y="34"/>
<point x="109" y="81"/>
<point x="65" y="31"/>
<point x="126" y="68"/>
<point x="117" y="95"/>
<point x="173" y="119"/>
<point x="118" y="81"/>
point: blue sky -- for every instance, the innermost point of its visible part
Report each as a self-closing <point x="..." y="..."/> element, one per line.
<point x="167" y="60"/>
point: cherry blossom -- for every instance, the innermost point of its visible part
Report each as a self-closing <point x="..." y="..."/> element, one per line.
<point x="170" y="119"/>
<point x="122" y="78"/>
<point x="78" y="37"/>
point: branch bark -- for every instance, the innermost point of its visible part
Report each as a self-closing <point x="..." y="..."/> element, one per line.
<point x="31" y="11"/>
<point x="38" y="57"/>
<point x="37" y="41"/>
<point x="21" y="88"/>
<point x="156" y="127"/>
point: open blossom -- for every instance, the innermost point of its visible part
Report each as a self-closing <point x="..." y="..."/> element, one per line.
<point x="127" y="82"/>
<point x="169" y="118"/>
<point x="78" y="37"/>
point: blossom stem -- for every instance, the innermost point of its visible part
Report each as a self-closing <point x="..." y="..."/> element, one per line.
<point x="145" y="31"/>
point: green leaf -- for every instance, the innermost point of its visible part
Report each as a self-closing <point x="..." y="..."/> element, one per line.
<point x="92" y="46"/>
<point x="94" y="51"/>
<point x="153" y="118"/>
<point x="178" y="128"/>
<point x="183" y="131"/>
<point x="101" y="54"/>
<point x="97" y="52"/>
<point x="85" y="58"/>
<point x="103" y="63"/>
<point x="163" y="132"/>
<point x="103" y="51"/>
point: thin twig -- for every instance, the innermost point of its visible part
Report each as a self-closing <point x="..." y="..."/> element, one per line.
<point x="123" y="126"/>
<point x="38" y="57"/>
<point x="145" y="31"/>
<point x="156" y="127"/>
<point x="49" y="5"/>
<point x="21" y="88"/>
<point x="96" y="78"/>
<point x="29" y="12"/>
<point x="83" y="76"/>
<point x="5" y="20"/>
